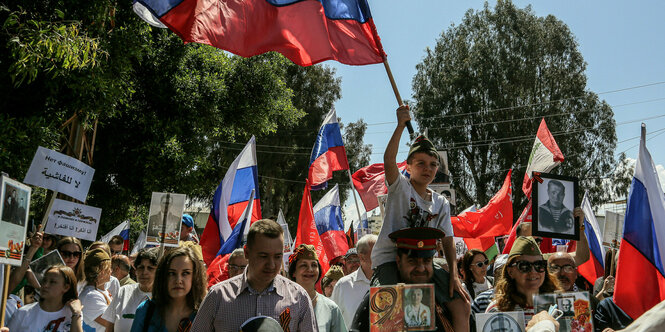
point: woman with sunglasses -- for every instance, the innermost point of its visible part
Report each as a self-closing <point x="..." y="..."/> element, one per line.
<point x="305" y="269"/>
<point x="524" y="275"/>
<point x="475" y="264"/>
<point x="71" y="249"/>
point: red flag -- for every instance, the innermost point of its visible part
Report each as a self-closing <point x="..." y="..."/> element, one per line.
<point x="307" y="233"/>
<point x="524" y="217"/>
<point x="494" y="219"/>
<point x="218" y="270"/>
<point x="370" y="182"/>
<point x="545" y="155"/>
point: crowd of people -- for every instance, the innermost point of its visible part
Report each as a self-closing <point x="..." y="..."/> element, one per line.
<point x="98" y="288"/>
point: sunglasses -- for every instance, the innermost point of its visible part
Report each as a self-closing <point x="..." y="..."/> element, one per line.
<point x="566" y="268"/>
<point x="481" y="264"/>
<point x="525" y="267"/>
<point x="68" y="254"/>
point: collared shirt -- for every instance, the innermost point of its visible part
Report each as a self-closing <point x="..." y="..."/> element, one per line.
<point x="232" y="302"/>
<point x="126" y="281"/>
<point x="349" y="292"/>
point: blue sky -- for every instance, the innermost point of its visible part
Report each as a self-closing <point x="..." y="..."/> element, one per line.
<point x="623" y="43"/>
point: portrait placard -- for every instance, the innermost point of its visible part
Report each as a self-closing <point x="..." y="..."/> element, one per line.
<point x="55" y="171"/>
<point x="14" y="210"/>
<point x="164" y="219"/>
<point x="575" y="306"/>
<point x="555" y="197"/>
<point x="40" y="265"/>
<point x="612" y="233"/>
<point x="402" y="308"/>
<point x="509" y="321"/>
<point x="73" y="219"/>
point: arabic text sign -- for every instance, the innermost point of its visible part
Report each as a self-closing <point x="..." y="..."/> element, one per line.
<point x="73" y="219"/>
<point x="14" y="206"/>
<point x="53" y="170"/>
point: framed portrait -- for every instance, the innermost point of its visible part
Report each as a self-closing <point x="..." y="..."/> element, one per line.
<point x="575" y="308"/>
<point x="164" y="218"/>
<point x="14" y="209"/>
<point x="511" y="321"/>
<point x="555" y="197"/>
<point x="402" y="308"/>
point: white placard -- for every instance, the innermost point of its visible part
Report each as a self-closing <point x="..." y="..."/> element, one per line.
<point x="15" y="198"/>
<point x="73" y="219"/>
<point x="53" y="170"/>
<point x="613" y="231"/>
<point x="165" y="218"/>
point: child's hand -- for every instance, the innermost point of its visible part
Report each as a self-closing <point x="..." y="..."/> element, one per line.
<point x="403" y="115"/>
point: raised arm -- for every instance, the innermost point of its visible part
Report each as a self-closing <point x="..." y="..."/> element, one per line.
<point x="390" y="156"/>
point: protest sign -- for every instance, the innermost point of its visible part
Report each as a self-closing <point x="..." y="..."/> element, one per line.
<point x="73" y="219"/>
<point x="612" y="233"/>
<point x="55" y="171"/>
<point x="164" y="218"/>
<point x="14" y="209"/>
<point x="42" y="264"/>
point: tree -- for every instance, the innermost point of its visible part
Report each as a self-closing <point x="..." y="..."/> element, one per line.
<point x="483" y="89"/>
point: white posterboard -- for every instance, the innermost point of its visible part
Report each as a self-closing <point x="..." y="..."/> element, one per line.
<point x="510" y="321"/>
<point x="164" y="219"/>
<point x="73" y="219"/>
<point x="14" y="210"/>
<point x="613" y="231"/>
<point x="55" y="171"/>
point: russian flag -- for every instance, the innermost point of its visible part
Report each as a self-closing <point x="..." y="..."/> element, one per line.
<point x="370" y="182"/>
<point x="304" y="31"/>
<point x="218" y="270"/>
<point x="329" y="224"/>
<point x="123" y="230"/>
<point x="231" y="200"/>
<point x="594" y="267"/>
<point x="642" y="252"/>
<point x="328" y="154"/>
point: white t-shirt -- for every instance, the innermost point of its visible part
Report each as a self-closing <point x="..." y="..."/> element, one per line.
<point x="32" y="318"/>
<point x="123" y="307"/>
<point x="348" y="294"/>
<point x="405" y="208"/>
<point x="94" y="301"/>
<point x="112" y="286"/>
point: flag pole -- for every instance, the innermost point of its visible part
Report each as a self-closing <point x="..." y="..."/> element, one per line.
<point x="353" y="189"/>
<point x="409" y="127"/>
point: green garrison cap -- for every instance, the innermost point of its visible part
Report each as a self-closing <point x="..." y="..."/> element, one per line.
<point x="422" y="144"/>
<point x="525" y="245"/>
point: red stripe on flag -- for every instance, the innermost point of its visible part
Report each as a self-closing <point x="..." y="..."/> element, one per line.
<point x="634" y="271"/>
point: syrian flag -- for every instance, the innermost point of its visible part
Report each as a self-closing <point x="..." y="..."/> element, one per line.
<point x="545" y="155"/>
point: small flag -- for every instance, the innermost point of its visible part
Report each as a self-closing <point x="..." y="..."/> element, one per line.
<point x="328" y="154"/>
<point x="123" y="230"/>
<point x="329" y="224"/>
<point x="545" y="155"/>
<point x="370" y="182"/>
<point x="307" y="232"/>
<point x="140" y="243"/>
<point x="594" y="267"/>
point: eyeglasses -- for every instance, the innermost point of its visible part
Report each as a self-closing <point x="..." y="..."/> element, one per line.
<point x="237" y="267"/>
<point x="481" y="264"/>
<point x="68" y="254"/>
<point x="566" y="268"/>
<point x="525" y="267"/>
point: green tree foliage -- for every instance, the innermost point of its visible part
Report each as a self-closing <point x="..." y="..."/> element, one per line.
<point x="483" y="89"/>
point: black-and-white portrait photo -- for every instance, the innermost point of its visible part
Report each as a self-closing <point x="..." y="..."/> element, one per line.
<point x="165" y="216"/>
<point x="416" y="313"/>
<point x="565" y="304"/>
<point x="14" y="205"/>
<point x="556" y="199"/>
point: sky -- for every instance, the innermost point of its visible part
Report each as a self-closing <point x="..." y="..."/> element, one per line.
<point x="623" y="43"/>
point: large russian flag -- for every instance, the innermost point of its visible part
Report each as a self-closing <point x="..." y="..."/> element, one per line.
<point x="329" y="224"/>
<point x="594" y="267"/>
<point x="231" y="200"/>
<point x="328" y="154"/>
<point x="370" y="182"/>
<point x="305" y="31"/>
<point x="640" y="279"/>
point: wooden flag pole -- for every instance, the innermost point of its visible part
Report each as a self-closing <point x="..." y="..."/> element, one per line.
<point x="409" y="127"/>
<point x="5" y="293"/>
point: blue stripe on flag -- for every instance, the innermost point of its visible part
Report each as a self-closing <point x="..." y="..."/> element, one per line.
<point x="125" y="234"/>
<point x="639" y="225"/>
<point x="329" y="218"/>
<point x="245" y="180"/>
<point x="594" y="246"/>
<point x="160" y="7"/>
<point x="357" y="10"/>
<point x="329" y="136"/>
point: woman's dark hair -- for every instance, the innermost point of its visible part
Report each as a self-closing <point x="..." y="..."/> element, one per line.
<point x="468" y="274"/>
<point x="151" y="254"/>
<point x="160" y="290"/>
<point x="292" y="270"/>
<point x="506" y="294"/>
<point x="78" y="270"/>
<point x="70" y="279"/>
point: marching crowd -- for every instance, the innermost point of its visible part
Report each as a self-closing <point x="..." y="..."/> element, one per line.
<point x="166" y="289"/>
